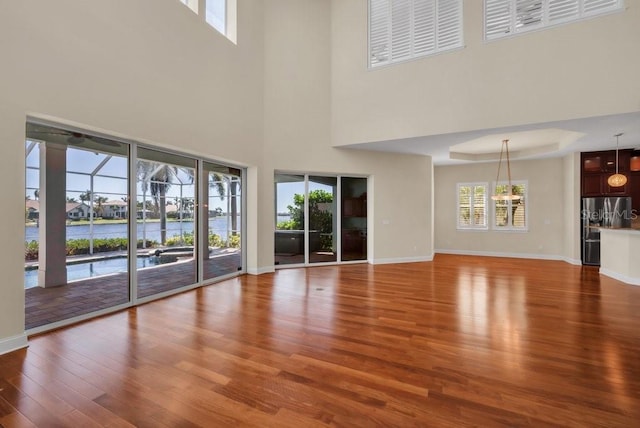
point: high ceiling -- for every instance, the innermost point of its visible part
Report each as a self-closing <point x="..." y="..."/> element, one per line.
<point x="550" y="139"/>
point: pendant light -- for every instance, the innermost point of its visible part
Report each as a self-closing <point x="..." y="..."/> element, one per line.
<point x="617" y="179"/>
<point x="508" y="196"/>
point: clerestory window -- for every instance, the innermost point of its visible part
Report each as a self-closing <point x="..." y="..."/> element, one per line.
<point x="400" y="30"/>
<point x="220" y="14"/>
<point x="503" y="18"/>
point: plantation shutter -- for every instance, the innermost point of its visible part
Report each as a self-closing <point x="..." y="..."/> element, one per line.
<point x="479" y="209"/>
<point x="504" y="17"/>
<point x="401" y="39"/>
<point x="592" y="7"/>
<point x="563" y="10"/>
<point x="528" y="14"/>
<point x="497" y="18"/>
<point x="379" y="31"/>
<point x="424" y="22"/>
<point x="405" y="29"/>
<point x="449" y="21"/>
<point x="464" y="205"/>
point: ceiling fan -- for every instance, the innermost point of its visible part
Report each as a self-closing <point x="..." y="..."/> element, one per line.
<point x="71" y="137"/>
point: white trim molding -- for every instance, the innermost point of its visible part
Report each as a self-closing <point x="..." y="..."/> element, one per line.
<point x="261" y="270"/>
<point x="619" y="277"/>
<point x="572" y="261"/>
<point x="501" y="254"/>
<point x="402" y="260"/>
<point x="13" y="343"/>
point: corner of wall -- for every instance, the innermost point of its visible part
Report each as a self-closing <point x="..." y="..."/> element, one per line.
<point x="10" y="344"/>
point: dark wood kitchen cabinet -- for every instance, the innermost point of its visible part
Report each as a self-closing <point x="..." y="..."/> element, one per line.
<point x="597" y="167"/>
<point x="634" y="182"/>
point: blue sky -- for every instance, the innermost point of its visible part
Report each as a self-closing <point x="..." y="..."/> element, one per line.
<point x="111" y="180"/>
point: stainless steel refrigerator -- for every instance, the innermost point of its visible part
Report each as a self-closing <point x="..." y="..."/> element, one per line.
<point x="614" y="212"/>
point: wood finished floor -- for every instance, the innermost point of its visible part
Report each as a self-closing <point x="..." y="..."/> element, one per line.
<point x="462" y="341"/>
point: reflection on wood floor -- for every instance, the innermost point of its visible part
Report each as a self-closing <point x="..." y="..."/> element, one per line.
<point x="48" y="305"/>
<point x="461" y="341"/>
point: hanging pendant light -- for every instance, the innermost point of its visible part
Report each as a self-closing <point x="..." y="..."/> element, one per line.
<point x="617" y="179"/>
<point x="508" y="196"/>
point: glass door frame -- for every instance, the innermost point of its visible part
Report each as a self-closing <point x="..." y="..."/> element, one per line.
<point x="132" y="225"/>
<point x="338" y="222"/>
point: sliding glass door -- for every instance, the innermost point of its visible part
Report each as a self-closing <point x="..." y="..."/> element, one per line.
<point x="290" y="240"/>
<point x="322" y="209"/>
<point x="309" y="229"/>
<point x="75" y="228"/>
<point x="109" y="224"/>
<point x="166" y="221"/>
<point x="354" y="218"/>
<point x="221" y="252"/>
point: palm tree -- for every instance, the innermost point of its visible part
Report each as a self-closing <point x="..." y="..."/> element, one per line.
<point x="85" y="196"/>
<point x="159" y="183"/>
<point x="217" y="184"/>
<point x="99" y="200"/>
<point x="71" y="200"/>
<point x="233" y="188"/>
<point x="36" y="194"/>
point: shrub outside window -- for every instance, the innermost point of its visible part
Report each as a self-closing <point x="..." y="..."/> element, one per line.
<point x="511" y="214"/>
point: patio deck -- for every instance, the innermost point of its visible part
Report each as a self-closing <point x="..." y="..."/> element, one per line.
<point x="48" y="305"/>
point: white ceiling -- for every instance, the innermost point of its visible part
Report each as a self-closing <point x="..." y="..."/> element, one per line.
<point x="535" y="141"/>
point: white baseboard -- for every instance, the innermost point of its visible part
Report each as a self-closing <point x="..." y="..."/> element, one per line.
<point x="615" y="275"/>
<point x="402" y="260"/>
<point x="501" y="254"/>
<point x="576" y="262"/>
<point x="14" y="343"/>
<point x="260" y="271"/>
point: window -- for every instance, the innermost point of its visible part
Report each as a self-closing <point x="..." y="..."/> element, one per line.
<point x="192" y="4"/>
<point x="404" y="29"/>
<point x="220" y="14"/>
<point x="216" y="15"/>
<point x="511" y="214"/>
<point x="506" y="17"/>
<point x="472" y="206"/>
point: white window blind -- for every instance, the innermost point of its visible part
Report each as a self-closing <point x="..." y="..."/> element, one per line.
<point x="405" y="29"/>
<point x="506" y="17"/>
<point x="472" y="205"/>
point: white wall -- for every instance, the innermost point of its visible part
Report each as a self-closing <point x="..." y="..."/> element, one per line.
<point x="148" y="70"/>
<point x="151" y="71"/>
<point x="583" y="69"/>
<point x="572" y="205"/>
<point x="546" y="208"/>
<point x="297" y="137"/>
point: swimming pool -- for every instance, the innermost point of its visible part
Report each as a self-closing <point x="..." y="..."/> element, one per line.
<point x="78" y="271"/>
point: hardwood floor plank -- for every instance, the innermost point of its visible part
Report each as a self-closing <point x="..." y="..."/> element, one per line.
<point x="458" y="342"/>
<point x="16" y="420"/>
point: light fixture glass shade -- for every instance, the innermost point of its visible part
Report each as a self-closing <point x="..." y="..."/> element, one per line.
<point x="505" y="197"/>
<point x="617" y="180"/>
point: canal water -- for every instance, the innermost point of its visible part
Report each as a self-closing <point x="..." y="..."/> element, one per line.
<point x="218" y="225"/>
